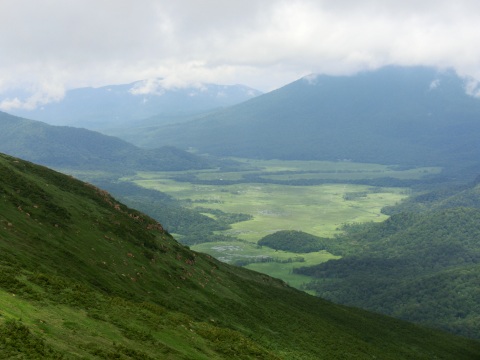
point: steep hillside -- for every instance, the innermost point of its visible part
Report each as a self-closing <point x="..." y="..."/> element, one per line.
<point x="422" y="265"/>
<point x="116" y="105"/>
<point x="83" y="276"/>
<point x="61" y="146"/>
<point x="395" y="115"/>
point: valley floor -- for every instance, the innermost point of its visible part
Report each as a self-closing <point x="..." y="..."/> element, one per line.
<point x="316" y="197"/>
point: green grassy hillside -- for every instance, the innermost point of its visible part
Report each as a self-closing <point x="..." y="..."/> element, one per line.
<point x="84" y="277"/>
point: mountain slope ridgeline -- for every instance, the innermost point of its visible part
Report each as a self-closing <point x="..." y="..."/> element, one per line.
<point x="69" y="147"/>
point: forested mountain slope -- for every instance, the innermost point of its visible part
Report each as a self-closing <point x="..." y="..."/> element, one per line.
<point x="422" y="264"/>
<point x="83" y="276"/>
<point x="394" y="115"/>
<point x="68" y="147"/>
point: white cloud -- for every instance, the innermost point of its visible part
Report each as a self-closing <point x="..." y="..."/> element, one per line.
<point x="264" y="44"/>
<point x="38" y="98"/>
<point x="46" y="92"/>
<point x="472" y="87"/>
<point x="150" y="86"/>
<point x="158" y="86"/>
<point x="9" y="104"/>
<point x="311" y="79"/>
<point x="434" y="84"/>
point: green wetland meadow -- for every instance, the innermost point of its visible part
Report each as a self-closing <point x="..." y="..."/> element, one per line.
<point x="315" y="197"/>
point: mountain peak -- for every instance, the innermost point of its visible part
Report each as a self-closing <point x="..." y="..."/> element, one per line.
<point x="393" y="115"/>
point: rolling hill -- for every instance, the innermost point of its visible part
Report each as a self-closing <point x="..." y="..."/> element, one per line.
<point x="69" y="147"/>
<point x="394" y="115"/>
<point x="85" y="277"/>
<point x="115" y="105"/>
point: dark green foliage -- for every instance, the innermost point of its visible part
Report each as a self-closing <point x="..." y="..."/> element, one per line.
<point x="263" y="178"/>
<point x="87" y="290"/>
<point x="266" y="259"/>
<point x="17" y="341"/>
<point x="225" y="218"/>
<point x="422" y="267"/>
<point x="205" y="236"/>
<point x="118" y="352"/>
<point x="294" y="241"/>
<point x="355" y="195"/>
<point x="232" y="344"/>
<point x="30" y="198"/>
<point x="443" y="198"/>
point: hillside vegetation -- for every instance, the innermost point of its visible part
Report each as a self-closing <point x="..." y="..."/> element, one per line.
<point x="294" y="241"/>
<point x="83" y="276"/>
<point x="422" y="264"/>
<point x="68" y="147"/>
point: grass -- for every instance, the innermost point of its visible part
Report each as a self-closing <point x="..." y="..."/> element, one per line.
<point x="316" y="209"/>
<point x="338" y="167"/>
<point x="278" y="264"/>
<point x="61" y="324"/>
<point x="117" y="329"/>
<point x="284" y="273"/>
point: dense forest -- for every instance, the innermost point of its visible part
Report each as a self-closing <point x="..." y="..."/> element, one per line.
<point x="422" y="264"/>
<point x="294" y="241"/>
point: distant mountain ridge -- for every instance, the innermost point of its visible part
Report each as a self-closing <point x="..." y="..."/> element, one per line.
<point x="69" y="147"/>
<point x="394" y="115"/>
<point x="111" y="105"/>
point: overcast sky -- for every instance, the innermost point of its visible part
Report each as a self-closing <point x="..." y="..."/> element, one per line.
<point x="47" y="46"/>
